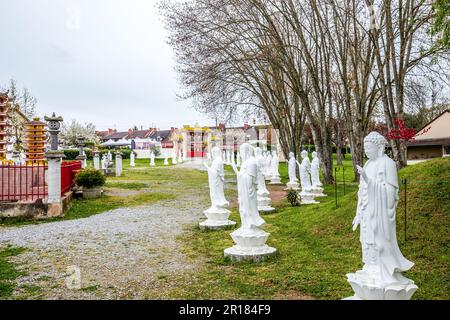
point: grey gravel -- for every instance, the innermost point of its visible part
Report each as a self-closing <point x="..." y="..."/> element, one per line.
<point x="123" y="253"/>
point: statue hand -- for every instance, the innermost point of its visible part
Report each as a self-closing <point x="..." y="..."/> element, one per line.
<point x="362" y="172"/>
<point x="355" y="223"/>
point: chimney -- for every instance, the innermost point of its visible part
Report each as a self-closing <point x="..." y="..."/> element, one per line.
<point x="130" y="131"/>
<point x="110" y="131"/>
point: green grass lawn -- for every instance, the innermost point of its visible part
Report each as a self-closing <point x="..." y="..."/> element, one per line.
<point x="317" y="246"/>
<point x="8" y="271"/>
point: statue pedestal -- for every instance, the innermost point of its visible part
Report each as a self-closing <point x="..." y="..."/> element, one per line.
<point x="368" y="287"/>
<point x="217" y="219"/>
<point x="264" y="204"/>
<point x="250" y="246"/>
<point x="318" y="192"/>
<point x="275" y="180"/>
<point x="292" y="186"/>
<point x="307" y="198"/>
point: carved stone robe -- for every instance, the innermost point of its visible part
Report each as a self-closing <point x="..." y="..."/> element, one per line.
<point x="247" y="193"/>
<point x="216" y="175"/>
<point x="377" y="203"/>
<point x="315" y="176"/>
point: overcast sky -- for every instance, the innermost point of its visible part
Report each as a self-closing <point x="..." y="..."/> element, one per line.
<point x="99" y="61"/>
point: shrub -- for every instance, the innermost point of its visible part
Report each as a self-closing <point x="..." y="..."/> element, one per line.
<point x="293" y="198"/>
<point x="90" y="178"/>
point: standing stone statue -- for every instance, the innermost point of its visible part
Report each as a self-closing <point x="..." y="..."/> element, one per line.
<point x="229" y="158"/>
<point x="380" y="277"/>
<point x="292" y="170"/>
<point x="238" y="159"/>
<point x="268" y="166"/>
<point x="250" y="239"/>
<point x="218" y="214"/>
<point x="103" y="164"/>
<point x="174" y="158"/>
<point x="275" y="169"/>
<point x="166" y="158"/>
<point x="132" y="159"/>
<point x="110" y="157"/>
<point x="316" y="188"/>
<point x="152" y="159"/>
<point x="118" y="164"/>
<point x="263" y="193"/>
<point x="96" y="160"/>
<point x="305" y="179"/>
<point x="180" y="158"/>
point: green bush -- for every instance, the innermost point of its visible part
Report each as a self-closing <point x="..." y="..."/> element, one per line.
<point x="293" y="198"/>
<point x="90" y="178"/>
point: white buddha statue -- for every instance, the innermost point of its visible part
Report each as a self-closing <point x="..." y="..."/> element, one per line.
<point x="380" y="277"/>
<point x="250" y="239"/>
<point x="306" y="195"/>
<point x="316" y="188"/>
<point x="166" y="158"/>
<point x="174" y="157"/>
<point x="268" y="166"/>
<point x="152" y="159"/>
<point x="292" y="171"/>
<point x="274" y="169"/>
<point x="217" y="215"/>
<point x="263" y="193"/>
<point x="132" y="159"/>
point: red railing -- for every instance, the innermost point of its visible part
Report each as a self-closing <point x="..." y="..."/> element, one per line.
<point x="68" y="172"/>
<point x="23" y="183"/>
<point x="29" y="183"/>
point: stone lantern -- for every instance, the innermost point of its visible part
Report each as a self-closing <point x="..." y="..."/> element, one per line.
<point x="54" y="159"/>
<point x="81" y="156"/>
<point x="54" y="125"/>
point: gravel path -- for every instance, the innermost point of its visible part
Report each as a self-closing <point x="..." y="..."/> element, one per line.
<point x="127" y="253"/>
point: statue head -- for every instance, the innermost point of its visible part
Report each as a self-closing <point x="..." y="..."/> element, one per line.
<point x="274" y="153"/>
<point x="291" y="155"/>
<point x="246" y="151"/>
<point x="216" y="153"/>
<point x="258" y="151"/>
<point x="374" y="145"/>
<point x="314" y="154"/>
<point x="304" y="154"/>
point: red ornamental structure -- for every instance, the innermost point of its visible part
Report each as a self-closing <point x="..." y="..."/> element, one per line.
<point x="3" y="125"/>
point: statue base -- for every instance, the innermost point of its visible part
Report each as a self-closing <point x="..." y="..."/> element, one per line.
<point x="275" y="180"/>
<point x="366" y="287"/>
<point x="264" y="204"/>
<point x="217" y="219"/>
<point x="250" y="246"/>
<point x="318" y="192"/>
<point x="292" y="186"/>
<point x="307" y="198"/>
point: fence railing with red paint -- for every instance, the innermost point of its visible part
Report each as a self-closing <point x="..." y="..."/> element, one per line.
<point x="68" y="172"/>
<point x="29" y="183"/>
<point x="23" y="183"/>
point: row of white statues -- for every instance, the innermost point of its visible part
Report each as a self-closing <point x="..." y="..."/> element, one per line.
<point x="180" y="158"/>
<point x="311" y="186"/>
<point x="380" y="277"/>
